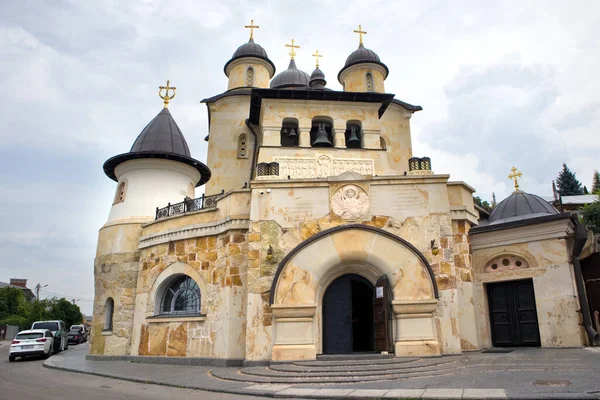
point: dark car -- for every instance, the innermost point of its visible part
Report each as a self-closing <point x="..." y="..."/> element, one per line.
<point x="75" y="336"/>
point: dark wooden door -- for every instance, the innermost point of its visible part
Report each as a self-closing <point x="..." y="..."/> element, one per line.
<point x="337" y="317"/>
<point x="382" y="315"/>
<point x="513" y="314"/>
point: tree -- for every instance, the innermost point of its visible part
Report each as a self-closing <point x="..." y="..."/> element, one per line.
<point x="596" y="183"/>
<point x="11" y="300"/>
<point x="482" y="203"/>
<point x="591" y="216"/>
<point x="65" y="310"/>
<point x="567" y="183"/>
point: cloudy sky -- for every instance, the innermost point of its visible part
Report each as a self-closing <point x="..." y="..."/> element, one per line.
<point x="515" y="83"/>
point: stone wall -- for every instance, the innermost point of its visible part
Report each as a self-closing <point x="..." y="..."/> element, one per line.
<point x="219" y="263"/>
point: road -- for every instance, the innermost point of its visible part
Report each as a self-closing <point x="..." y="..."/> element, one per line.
<point x="28" y="379"/>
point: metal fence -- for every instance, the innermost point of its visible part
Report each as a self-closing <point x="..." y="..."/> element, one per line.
<point x="188" y="205"/>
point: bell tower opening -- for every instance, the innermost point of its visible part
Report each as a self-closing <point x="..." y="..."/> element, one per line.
<point x="348" y="325"/>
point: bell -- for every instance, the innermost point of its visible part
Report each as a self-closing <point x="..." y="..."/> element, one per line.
<point x="353" y="140"/>
<point x="293" y="133"/>
<point x="284" y="131"/>
<point x="322" y="140"/>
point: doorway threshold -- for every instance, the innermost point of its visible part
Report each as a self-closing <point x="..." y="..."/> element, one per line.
<point x="354" y="356"/>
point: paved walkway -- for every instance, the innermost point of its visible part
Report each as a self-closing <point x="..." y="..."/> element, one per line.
<point x="521" y="374"/>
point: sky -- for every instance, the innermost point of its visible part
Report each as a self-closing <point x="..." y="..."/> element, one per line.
<point x="501" y="83"/>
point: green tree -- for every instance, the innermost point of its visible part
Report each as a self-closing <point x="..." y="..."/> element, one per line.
<point x="482" y="203"/>
<point x="11" y="300"/>
<point x="596" y="183"/>
<point x="567" y="184"/>
<point x="65" y="310"/>
<point x="591" y="216"/>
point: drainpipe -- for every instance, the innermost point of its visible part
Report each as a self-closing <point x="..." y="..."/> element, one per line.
<point x="249" y="125"/>
<point x="580" y="239"/>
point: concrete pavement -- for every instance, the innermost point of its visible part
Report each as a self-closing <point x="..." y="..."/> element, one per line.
<point x="527" y="373"/>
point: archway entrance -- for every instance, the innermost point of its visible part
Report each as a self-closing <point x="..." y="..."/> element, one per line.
<point x="348" y="316"/>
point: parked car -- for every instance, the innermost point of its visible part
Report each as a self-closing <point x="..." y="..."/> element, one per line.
<point x="58" y="329"/>
<point x="83" y="331"/>
<point x="75" y="336"/>
<point x="34" y="342"/>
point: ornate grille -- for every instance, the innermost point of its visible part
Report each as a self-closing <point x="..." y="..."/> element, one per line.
<point x="268" y="169"/>
<point x="188" y="205"/>
<point x="181" y="297"/>
<point x="419" y="164"/>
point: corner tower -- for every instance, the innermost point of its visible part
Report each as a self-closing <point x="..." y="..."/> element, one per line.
<point x="250" y="65"/>
<point x="156" y="171"/>
<point x="363" y="70"/>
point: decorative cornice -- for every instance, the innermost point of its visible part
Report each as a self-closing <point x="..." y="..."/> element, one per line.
<point x="461" y="213"/>
<point x="193" y="231"/>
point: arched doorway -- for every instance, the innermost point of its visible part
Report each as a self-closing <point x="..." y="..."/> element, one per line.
<point x="348" y="316"/>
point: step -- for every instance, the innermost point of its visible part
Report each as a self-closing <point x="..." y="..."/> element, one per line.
<point x="351" y="368"/>
<point x="353" y="356"/>
<point x="387" y="360"/>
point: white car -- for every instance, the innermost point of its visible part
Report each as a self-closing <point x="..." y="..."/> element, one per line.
<point x="34" y="342"/>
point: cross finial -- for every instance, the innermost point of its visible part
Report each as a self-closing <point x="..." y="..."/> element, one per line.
<point x="514" y="175"/>
<point x="360" y="33"/>
<point x="251" y="27"/>
<point x="316" y="56"/>
<point x="166" y="96"/>
<point x="292" y="52"/>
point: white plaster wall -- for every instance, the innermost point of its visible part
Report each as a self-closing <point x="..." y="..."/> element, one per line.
<point x="447" y="321"/>
<point x="409" y="200"/>
<point x="469" y="328"/>
<point x="151" y="183"/>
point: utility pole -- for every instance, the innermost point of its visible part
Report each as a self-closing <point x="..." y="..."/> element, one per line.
<point x="37" y="290"/>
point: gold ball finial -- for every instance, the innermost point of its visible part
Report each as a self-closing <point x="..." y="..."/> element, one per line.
<point x="166" y="98"/>
<point x="292" y="52"/>
<point x="514" y="175"/>
<point x="252" y="27"/>
<point x="360" y="34"/>
<point x="317" y="56"/>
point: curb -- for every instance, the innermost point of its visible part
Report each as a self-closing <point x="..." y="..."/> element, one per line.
<point x="258" y="393"/>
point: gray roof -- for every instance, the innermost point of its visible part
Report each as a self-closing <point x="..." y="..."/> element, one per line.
<point x="363" y="55"/>
<point x="290" y="78"/>
<point x="250" y="49"/>
<point x="521" y="206"/>
<point x="579" y="199"/>
<point x="161" y="138"/>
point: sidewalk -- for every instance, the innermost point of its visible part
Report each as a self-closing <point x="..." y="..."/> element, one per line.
<point x="521" y="374"/>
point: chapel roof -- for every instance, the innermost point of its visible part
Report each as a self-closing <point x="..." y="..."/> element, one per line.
<point x="292" y="77"/>
<point x="520" y="206"/>
<point x="362" y="55"/>
<point x="250" y="49"/>
<point x="161" y="138"/>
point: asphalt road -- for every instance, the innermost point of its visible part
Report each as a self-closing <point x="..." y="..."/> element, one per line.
<point x="28" y="379"/>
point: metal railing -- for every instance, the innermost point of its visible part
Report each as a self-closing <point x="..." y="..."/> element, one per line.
<point x="189" y="205"/>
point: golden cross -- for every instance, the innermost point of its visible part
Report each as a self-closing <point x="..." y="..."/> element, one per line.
<point x="166" y="97"/>
<point x="317" y="55"/>
<point x="514" y="175"/>
<point x="251" y="27"/>
<point x="292" y="52"/>
<point x="360" y="33"/>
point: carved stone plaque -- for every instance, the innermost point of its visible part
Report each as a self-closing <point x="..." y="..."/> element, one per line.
<point x="350" y="202"/>
<point x="320" y="166"/>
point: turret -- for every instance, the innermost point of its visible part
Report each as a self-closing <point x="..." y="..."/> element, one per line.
<point x="250" y="65"/>
<point x="363" y="70"/>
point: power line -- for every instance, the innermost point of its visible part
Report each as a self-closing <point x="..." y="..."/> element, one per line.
<point x="65" y="296"/>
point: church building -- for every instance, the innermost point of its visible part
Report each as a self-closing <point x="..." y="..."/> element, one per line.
<point x="319" y="232"/>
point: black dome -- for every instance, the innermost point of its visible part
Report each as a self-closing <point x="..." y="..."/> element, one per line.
<point x="290" y="78"/>
<point x="520" y="206"/>
<point x="250" y="49"/>
<point x="317" y="79"/>
<point x="363" y="55"/>
<point x="161" y="138"/>
<point x="317" y="74"/>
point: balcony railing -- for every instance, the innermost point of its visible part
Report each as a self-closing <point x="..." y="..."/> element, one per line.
<point x="188" y="205"/>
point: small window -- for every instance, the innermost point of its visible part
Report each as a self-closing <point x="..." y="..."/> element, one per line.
<point x="108" y="314"/>
<point x="369" y="79"/>
<point x="242" y="150"/>
<point x="250" y="77"/>
<point x="289" y="133"/>
<point x="353" y="135"/>
<point x="181" y="297"/>
<point x="321" y="132"/>
<point x="382" y="143"/>
<point x="120" y="194"/>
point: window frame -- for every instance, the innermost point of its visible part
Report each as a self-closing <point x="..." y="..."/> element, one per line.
<point x="179" y="280"/>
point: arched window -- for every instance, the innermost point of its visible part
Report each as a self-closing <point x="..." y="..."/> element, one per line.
<point x="353" y="134"/>
<point x="369" y="79"/>
<point x="242" y="148"/>
<point x="108" y="314"/>
<point x="321" y="132"/>
<point x="182" y="296"/>
<point x="120" y="194"/>
<point x="250" y="77"/>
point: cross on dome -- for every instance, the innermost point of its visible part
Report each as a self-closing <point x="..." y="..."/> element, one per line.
<point x="514" y="175"/>
<point x="317" y="56"/>
<point x="166" y="96"/>
<point x="360" y="33"/>
<point x="292" y="52"/>
<point x="251" y="27"/>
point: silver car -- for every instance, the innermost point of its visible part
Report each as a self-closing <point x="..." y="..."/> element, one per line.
<point x="34" y="342"/>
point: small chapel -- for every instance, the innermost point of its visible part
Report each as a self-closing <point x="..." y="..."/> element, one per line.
<point x="318" y="231"/>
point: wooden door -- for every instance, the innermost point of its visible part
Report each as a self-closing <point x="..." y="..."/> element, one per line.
<point x="383" y="316"/>
<point x="337" y="317"/>
<point x="513" y="314"/>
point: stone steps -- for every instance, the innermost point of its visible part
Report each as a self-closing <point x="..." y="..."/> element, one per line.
<point x="353" y="357"/>
<point x="355" y="362"/>
<point x="286" y="374"/>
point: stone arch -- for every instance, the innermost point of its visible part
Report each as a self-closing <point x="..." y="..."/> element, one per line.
<point x="163" y="280"/>
<point x="527" y="257"/>
<point x="373" y="252"/>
